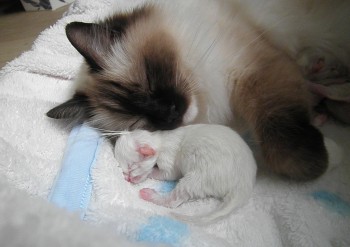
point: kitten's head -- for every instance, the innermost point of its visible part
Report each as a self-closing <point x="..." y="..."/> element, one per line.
<point x="134" y="78"/>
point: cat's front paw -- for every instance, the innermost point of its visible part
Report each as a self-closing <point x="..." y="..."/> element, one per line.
<point x="139" y="171"/>
<point x="136" y="153"/>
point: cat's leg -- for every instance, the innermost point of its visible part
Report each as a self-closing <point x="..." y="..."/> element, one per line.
<point x="187" y="188"/>
<point x="335" y="95"/>
<point x="139" y="171"/>
<point x="336" y="91"/>
<point x="273" y="100"/>
<point x="169" y="201"/>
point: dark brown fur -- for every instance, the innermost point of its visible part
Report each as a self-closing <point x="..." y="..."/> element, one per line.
<point x="273" y="102"/>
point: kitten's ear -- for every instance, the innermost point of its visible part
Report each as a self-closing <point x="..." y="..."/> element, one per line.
<point x="75" y="108"/>
<point x="91" y="40"/>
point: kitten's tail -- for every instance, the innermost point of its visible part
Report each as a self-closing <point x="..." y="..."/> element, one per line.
<point x="231" y="202"/>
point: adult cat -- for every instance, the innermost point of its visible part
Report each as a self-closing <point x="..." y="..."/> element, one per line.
<point x="173" y="63"/>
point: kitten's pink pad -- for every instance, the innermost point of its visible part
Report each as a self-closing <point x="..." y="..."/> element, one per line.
<point x="146" y="151"/>
<point x="147" y="194"/>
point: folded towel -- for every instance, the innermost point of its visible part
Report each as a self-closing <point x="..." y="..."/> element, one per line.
<point x="32" y="221"/>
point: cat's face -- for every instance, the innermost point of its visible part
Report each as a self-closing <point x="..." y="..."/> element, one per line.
<point x="135" y="77"/>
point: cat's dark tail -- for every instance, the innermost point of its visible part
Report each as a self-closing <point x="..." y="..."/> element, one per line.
<point x="291" y="146"/>
<point x="273" y="101"/>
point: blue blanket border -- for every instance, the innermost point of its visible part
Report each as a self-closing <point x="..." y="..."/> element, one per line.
<point x="73" y="185"/>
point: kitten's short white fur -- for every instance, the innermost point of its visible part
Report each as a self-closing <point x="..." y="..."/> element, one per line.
<point x="209" y="160"/>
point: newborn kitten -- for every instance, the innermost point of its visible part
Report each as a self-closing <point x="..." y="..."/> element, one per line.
<point x="317" y="35"/>
<point x="209" y="160"/>
<point x="172" y="63"/>
<point x="330" y="83"/>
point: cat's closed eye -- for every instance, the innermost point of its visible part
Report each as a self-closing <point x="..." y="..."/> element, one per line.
<point x="145" y="89"/>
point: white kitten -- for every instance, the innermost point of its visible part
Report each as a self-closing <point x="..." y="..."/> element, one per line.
<point x="209" y="160"/>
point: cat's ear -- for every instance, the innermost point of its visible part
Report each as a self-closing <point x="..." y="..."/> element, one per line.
<point x="75" y="108"/>
<point x="94" y="40"/>
<point x="91" y="40"/>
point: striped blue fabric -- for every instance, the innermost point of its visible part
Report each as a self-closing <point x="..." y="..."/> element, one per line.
<point x="73" y="185"/>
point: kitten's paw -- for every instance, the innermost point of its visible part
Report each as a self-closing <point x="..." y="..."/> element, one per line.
<point x="137" y="179"/>
<point x="136" y="153"/>
<point x="148" y="194"/>
<point x="320" y="119"/>
<point x="153" y="196"/>
<point x="318" y="65"/>
<point x="335" y="89"/>
<point x="139" y="172"/>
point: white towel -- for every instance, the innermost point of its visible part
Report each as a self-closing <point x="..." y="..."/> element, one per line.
<point x="280" y="213"/>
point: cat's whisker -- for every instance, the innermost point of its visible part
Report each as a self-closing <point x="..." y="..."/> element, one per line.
<point x="258" y="38"/>
<point x="100" y="121"/>
<point x="194" y="38"/>
<point x="209" y="49"/>
<point x="176" y="74"/>
<point x="115" y="134"/>
<point x="96" y="128"/>
<point x="105" y="131"/>
<point x="190" y="89"/>
<point x="187" y="79"/>
<point x="207" y="53"/>
<point x="134" y="124"/>
<point x="188" y="84"/>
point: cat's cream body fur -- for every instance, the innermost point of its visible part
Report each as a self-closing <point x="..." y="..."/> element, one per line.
<point x="211" y="47"/>
<point x="212" y="40"/>
<point x="174" y="63"/>
<point x="298" y="24"/>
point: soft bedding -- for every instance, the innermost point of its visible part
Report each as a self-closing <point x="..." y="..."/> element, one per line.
<point x="34" y="149"/>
